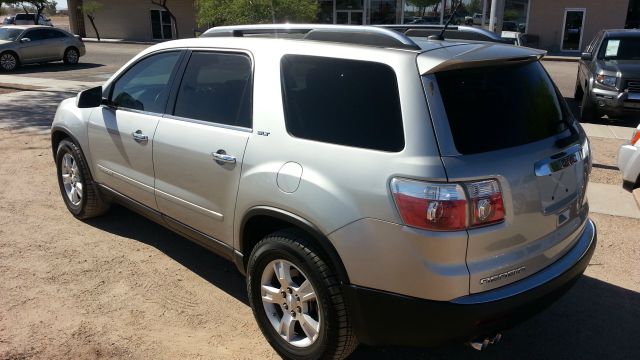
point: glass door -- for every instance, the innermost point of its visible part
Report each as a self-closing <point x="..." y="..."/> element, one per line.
<point x="349" y="17"/>
<point x="572" y="27"/>
<point x="350" y="12"/>
<point x="161" y="25"/>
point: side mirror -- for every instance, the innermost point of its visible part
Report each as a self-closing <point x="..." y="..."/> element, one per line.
<point x="586" y="56"/>
<point x="25" y="40"/>
<point x="89" y="98"/>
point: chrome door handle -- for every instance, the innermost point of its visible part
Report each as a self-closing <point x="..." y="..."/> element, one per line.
<point x="222" y="157"/>
<point x="139" y="136"/>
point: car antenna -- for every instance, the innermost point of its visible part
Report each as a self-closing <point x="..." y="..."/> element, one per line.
<point x="440" y="37"/>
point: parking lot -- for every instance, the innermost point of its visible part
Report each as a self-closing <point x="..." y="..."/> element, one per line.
<point x="121" y="286"/>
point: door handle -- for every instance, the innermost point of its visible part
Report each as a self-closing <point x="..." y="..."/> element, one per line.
<point x="221" y="157"/>
<point x="139" y="136"/>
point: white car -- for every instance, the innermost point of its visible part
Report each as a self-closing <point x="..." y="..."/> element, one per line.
<point x="513" y="37"/>
<point x="629" y="161"/>
<point x="29" y="19"/>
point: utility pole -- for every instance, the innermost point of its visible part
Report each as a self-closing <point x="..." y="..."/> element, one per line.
<point x="443" y="3"/>
<point x="497" y="13"/>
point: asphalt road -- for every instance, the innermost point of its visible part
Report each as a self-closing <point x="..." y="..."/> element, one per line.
<point x="99" y="63"/>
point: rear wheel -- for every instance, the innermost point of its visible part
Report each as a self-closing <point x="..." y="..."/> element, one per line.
<point x="8" y="61"/>
<point x="71" y="56"/>
<point x="296" y="299"/>
<point x="78" y="190"/>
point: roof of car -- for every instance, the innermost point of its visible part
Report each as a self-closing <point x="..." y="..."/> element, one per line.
<point x="26" y="26"/>
<point x="622" y="32"/>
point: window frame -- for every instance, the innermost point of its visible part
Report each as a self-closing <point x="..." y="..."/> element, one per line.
<point x="177" y="69"/>
<point x="285" y="111"/>
<point x="173" y="94"/>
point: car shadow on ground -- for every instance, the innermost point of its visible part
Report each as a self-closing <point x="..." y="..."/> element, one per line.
<point x="630" y="122"/>
<point x="594" y="320"/>
<point x="53" y="67"/>
<point x="218" y="271"/>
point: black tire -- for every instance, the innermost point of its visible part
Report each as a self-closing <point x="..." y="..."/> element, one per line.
<point x="71" y="56"/>
<point x="335" y="339"/>
<point x="588" y="111"/>
<point x="578" y="92"/>
<point x="8" y="61"/>
<point x="91" y="203"/>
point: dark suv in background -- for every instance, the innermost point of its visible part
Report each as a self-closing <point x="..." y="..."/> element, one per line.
<point x="608" y="81"/>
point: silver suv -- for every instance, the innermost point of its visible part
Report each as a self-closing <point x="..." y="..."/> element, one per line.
<point x="374" y="188"/>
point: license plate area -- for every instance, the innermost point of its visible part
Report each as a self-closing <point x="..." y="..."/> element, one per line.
<point x="559" y="180"/>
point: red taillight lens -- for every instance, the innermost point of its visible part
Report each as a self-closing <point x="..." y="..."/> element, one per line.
<point x="486" y="202"/>
<point x="430" y="206"/>
<point x="444" y="207"/>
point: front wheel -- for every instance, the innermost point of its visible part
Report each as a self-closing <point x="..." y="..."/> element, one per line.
<point x="296" y="299"/>
<point x="79" y="193"/>
<point x="71" y="56"/>
<point x="588" y="111"/>
<point x="8" y="61"/>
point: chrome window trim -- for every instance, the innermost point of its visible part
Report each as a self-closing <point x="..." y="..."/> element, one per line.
<point x="209" y="123"/>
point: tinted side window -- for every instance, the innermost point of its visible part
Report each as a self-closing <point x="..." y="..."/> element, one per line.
<point x="54" y="34"/>
<point x="216" y="87"/>
<point x="345" y="102"/>
<point x="35" y="35"/>
<point x="145" y="86"/>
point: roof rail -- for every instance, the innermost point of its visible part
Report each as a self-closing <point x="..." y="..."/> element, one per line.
<point x="349" y="34"/>
<point x="424" y="30"/>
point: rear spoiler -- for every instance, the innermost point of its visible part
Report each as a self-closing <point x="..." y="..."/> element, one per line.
<point x="463" y="56"/>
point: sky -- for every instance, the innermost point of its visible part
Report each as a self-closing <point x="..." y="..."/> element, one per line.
<point x="62" y="4"/>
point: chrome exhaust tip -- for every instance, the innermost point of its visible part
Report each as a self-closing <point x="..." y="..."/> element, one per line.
<point x="481" y="344"/>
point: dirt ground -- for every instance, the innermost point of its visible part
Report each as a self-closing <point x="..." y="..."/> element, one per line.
<point x="108" y="288"/>
<point x="122" y="287"/>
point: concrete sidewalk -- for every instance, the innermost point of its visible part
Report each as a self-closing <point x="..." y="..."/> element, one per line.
<point x="608" y="131"/>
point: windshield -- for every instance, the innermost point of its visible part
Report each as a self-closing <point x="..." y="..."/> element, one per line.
<point x="8" y="34"/>
<point x="491" y="108"/>
<point x="626" y="48"/>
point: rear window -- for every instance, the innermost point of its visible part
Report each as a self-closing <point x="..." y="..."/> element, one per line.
<point x="493" y="108"/>
<point x="345" y="102"/>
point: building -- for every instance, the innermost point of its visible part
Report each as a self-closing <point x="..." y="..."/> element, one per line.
<point x="557" y="25"/>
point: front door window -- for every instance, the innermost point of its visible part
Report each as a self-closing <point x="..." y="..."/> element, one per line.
<point x="572" y="29"/>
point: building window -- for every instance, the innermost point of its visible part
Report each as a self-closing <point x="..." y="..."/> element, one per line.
<point x="161" y="25"/>
<point x="382" y="12"/>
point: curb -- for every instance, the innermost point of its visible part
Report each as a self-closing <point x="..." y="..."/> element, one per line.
<point x="118" y="41"/>
<point x="636" y="195"/>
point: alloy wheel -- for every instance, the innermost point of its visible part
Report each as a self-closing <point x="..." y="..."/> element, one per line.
<point x="290" y="303"/>
<point x="71" y="180"/>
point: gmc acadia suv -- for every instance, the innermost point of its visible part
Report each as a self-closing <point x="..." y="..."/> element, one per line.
<point x="374" y="188"/>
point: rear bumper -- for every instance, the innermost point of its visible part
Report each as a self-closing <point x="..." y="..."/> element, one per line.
<point x="383" y="318"/>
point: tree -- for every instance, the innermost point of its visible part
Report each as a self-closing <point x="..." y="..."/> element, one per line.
<point x="422" y="5"/>
<point x="163" y="5"/>
<point x="90" y="7"/>
<point x="236" y="12"/>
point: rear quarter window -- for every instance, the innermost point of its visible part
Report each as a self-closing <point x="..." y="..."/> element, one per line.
<point x="491" y="108"/>
<point x="344" y="102"/>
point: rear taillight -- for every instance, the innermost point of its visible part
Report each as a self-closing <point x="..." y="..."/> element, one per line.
<point x="445" y="207"/>
<point x="486" y="202"/>
<point x="635" y="137"/>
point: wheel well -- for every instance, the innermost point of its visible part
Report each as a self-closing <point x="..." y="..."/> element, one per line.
<point x="56" y="137"/>
<point x="12" y="52"/>
<point x="258" y="226"/>
<point x="71" y="47"/>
